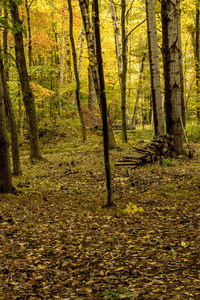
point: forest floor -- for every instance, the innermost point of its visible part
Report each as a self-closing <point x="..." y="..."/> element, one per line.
<point x="58" y="242"/>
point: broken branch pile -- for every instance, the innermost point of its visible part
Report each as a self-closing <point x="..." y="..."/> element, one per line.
<point x="155" y="150"/>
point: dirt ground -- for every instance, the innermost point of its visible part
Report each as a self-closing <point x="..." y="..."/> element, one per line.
<point x="58" y="242"/>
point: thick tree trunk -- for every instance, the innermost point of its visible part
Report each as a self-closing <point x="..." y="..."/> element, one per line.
<point x="103" y="103"/>
<point x="12" y="121"/>
<point x="84" y="6"/>
<point x="5" y="172"/>
<point x="154" y="68"/>
<point x="124" y="70"/>
<point x="27" y="93"/>
<point x="76" y="71"/>
<point x="170" y="24"/>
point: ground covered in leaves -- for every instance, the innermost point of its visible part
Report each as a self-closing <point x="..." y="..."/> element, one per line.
<point x="58" y="242"/>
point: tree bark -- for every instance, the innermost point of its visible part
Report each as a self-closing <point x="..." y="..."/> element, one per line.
<point x="197" y="58"/>
<point x="28" y="97"/>
<point x="5" y="172"/>
<point x="124" y="70"/>
<point x="170" y="34"/>
<point x="103" y="102"/>
<point x="84" y="6"/>
<point x="134" y="119"/>
<point x="27" y="5"/>
<point x="11" y="116"/>
<point x="5" y="42"/>
<point x="92" y="98"/>
<point x="154" y="68"/>
<point x="76" y="71"/>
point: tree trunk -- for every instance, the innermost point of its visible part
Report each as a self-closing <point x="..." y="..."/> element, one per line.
<point x="170" y="34"/>
<point x="92" y="98"/>
<point x="103" y="102"/>
<point x="84" y="6"/>
<point x="12" y="121"/>
<point x="5" y="43"/>
<point x="76" y="71"/>
<point x="197" y="60"/>
<point x="124" y="70"/>
<point x="29" y="33"/>
<point x="134" y="119"/>
<point x="27" y="93"/>
<point x="118" y="44"/>
<point x="5" y="172"/>
<point x="81" y="47"/>
<point x="154" y="68"/>
<point x="62" y="47"/>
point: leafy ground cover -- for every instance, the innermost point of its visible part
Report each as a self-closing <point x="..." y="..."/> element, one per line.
<point x="58" y="242"/>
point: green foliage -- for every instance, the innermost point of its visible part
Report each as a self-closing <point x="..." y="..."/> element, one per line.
<point x="132" y="208"/>
<point x="116" y="294"/>
<point x="193" y="132"/>
<point x="168" y="162"/>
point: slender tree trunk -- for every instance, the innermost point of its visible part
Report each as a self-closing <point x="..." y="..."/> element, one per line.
<point x="84" y="6"/>
<point x="5" y="43"/>
<point x="68" y="66"/>
<point x="62" y="47"/>
<point x="124" y="70"/>
<point x="197" y="60"/>
<point x="154" y="68"/>
<point x="76" y="70"/>
<point x="134" y="119"/>
<point x="81" y="47"/>
<point x="5" y="171"/>
<point x="29" y="33"/>
<point x="92" y="98"/>
<point x="170" y="33"/>
<point x="118" y="44"/>
<point x="12" y="121"/>
<point x="103" y="102"/>
<point x="27" y="93"/>
<point x="181" y="73"/>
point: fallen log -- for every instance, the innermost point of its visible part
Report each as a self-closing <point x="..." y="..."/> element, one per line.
<point x="151" y="152"/>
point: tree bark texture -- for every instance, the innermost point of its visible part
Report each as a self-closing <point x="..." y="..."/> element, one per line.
<point x="5" y="172"/>
<point x="11" y="116"/>
<point x="28" y="97"/>
<point x="154" y="68"/>
<point x="103" y="102"/>
<point x="76" y="71"/>
<point x="29" y="33"/>
<point x="92" y="98"/>
<point x="170" y="34"/>
<point x="197" y="58"/>
<point x="84" y="7"/>
<point x="124" y="70"/>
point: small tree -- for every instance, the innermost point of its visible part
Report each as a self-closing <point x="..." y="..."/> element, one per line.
<point x="103" y="102"/>
<point x="76" y="70"/>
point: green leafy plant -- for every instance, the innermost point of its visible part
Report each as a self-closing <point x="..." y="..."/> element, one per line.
<point x="116" y="294"/>
<point x="132" y="208"/>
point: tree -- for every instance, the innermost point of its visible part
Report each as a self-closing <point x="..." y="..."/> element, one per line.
<point x="154" y="68"/>
<point x="28" y="97"/>
<point x="103" y="102"/>
<point x="89" y="33"/>
<point x="76" y="70"/>
<point x="12" y="121"/>
<point x="197" y="59"/>
<point x="124" y="69"/>
<point x="170" y="35"/>
<point x="5" y="171"/>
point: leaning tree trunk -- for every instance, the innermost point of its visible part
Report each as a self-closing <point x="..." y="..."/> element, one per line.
<point x="27" y="5"/>
<point x="12" y="121"/>
<point x="170" y="34"/>
<point x="5" y="172"/>
<point x="103" y="102"/>
<point x="28" y="97"/>
<point x="84" y="7"/>
<point x="76" y="71"/>
<point x="154" y="68"/>
<point x="124" y="70"/>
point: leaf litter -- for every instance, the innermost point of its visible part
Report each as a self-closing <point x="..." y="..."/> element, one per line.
<point x="57" y="242"/>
